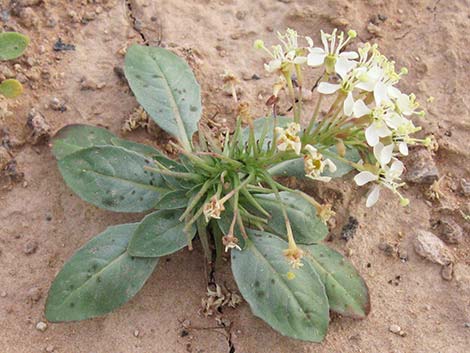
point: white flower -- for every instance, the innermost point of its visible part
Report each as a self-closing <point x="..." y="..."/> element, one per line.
<point x="355" y="108"/>
<point x="328" y="88"/>
<point x="406" y="104"/>
<point x="331" y="56"/>
<point x="315" y="164"/>
<point x="383" y="154"/>
<point x="288" y="139"/>
<point x="285" y="55"/>
<point x="375" y="131"/>
<point x="388" y="177"/>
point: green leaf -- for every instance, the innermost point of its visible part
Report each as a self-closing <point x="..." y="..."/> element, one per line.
<point x="165" y="86"/>
<point x="99" y="277"/>
<point x="12" y="45"/>
<point x="174" y="166"/>
<point x="173" y="200"/>
<point x="72" y="138"/>
<point x="306" y="225"/>
<point x="295" y="167"/>
<point x="159" y="234"/>
<point x="112" y="178"/>
<point x="11" y="88"/>
<point x="292" y="302"/>
<point x="346" y="290"/>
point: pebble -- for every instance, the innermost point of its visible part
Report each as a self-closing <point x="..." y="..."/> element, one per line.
<point x="34" y="295"/>
<point x="89" y="84"/>
<point x="386" y="248"/>
<point x="374" y="29"/>
<point x="420" y="168"/>
<point x="40" y="129"/>
<point x="7" y="72"/>
<point x="30" y="247"/>
<point x="465" y="185"/>
<point x="50" y="349"/>
<point x="3" y="294"/>
<point x="41" y="326"/>
<point x="240" y="15"/>
<point x="466" y="325"/>
<point x="136" y="333"/>
<point x="429" y="246"/>
<point x="4" y="157"/>
<point x="28" y="17"/>
<point x="447" y="272"/>
<point x="395" y="329"/>
<point x="449" y="230"/>
<point x="55" y="103"/>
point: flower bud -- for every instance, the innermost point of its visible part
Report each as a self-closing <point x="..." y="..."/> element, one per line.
<point x="258" y="44"/>
<point x="352" y="33"/>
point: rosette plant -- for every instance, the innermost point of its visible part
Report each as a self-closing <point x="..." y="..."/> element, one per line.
<point x="227" y="193"/>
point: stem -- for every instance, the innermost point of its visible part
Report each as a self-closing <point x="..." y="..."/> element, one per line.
<point x="194" y="201"/>
<point x="314" y="118"/>
<point x="290" y="87"/>
<point x="202" y="232"/>
<point x="186" y="176"/>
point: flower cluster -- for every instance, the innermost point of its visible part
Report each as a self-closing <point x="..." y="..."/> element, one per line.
<point x="369" y="109"/>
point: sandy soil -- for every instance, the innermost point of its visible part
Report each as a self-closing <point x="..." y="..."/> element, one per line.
<point x="43" y="223"/>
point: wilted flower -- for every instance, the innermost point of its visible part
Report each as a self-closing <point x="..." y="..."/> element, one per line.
<point x="213" y="208"/>
<point x="294" y="255"/>
<point x="315" y="164"/>
<point x="288" y="139"/>
<point x="230" y="242"/>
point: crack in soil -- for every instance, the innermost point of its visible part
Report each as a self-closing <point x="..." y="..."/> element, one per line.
<point x="135" y="22"/>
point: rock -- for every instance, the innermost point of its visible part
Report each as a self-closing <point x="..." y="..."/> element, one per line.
<point x="449" y="230"/>
<point x="25" y="3"/>
<point x="40" y="129"/>
<point x="34" y="295"/>
<point x="349" y="229"/>
<point x="465" y="185"/>
<point x="386" y="248"/>
<point x="3" y="294"/>
<point x="432" y="248"/>
<point x="240" y="15"/>
<point x="374" y="30"/>
<point x="447" y="272"/>
<point x="395" y="329"/>
<point x="30" y="247"/>
<point x="420" y="167"/>
<point x="4" y="157"/>
<point x="136" y="333"/>
<point x="50" y="349"/>
<point x="55" y="103"/>
<point x="89" y="84"/>
<point x="7" y="72"/>
<point x="41" y="326"/>
<point x="28" y="17"/>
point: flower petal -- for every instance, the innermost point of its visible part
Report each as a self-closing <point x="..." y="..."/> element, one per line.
<point x="316" y="57"/>
<point x="343" y="66"/>
<point x="380" y="93"/>
<point x="373" y="196"/>
<point x="360" y="108"/>
<point x="371" y="136"/>
<point x="365" y="177"/>
<point x="349" y="55"/>
<point x="348" y="104"/>
<point x="328" y="88"/>
<point x="386" y="155"/>
<point x="403" y="148"/>
<point x="397" y="167"/>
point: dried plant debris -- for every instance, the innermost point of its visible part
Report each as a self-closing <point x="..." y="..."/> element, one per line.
<point x="217" y="298"/>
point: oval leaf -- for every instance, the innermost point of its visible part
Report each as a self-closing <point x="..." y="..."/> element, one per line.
<point x="293" y="302"/>
<point x="306" y="225"/>
<point x="99" y="277"/>
<point x="12" y="45"/>
<point x="159" y="234"/>
<point x="346" y="290"/>
<point x="112" y="178"/>
<point x="173" y="200"/>
<point x="11" y="88"/>
<point x="72" y="138"/>
<point x="165" y="86"/>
